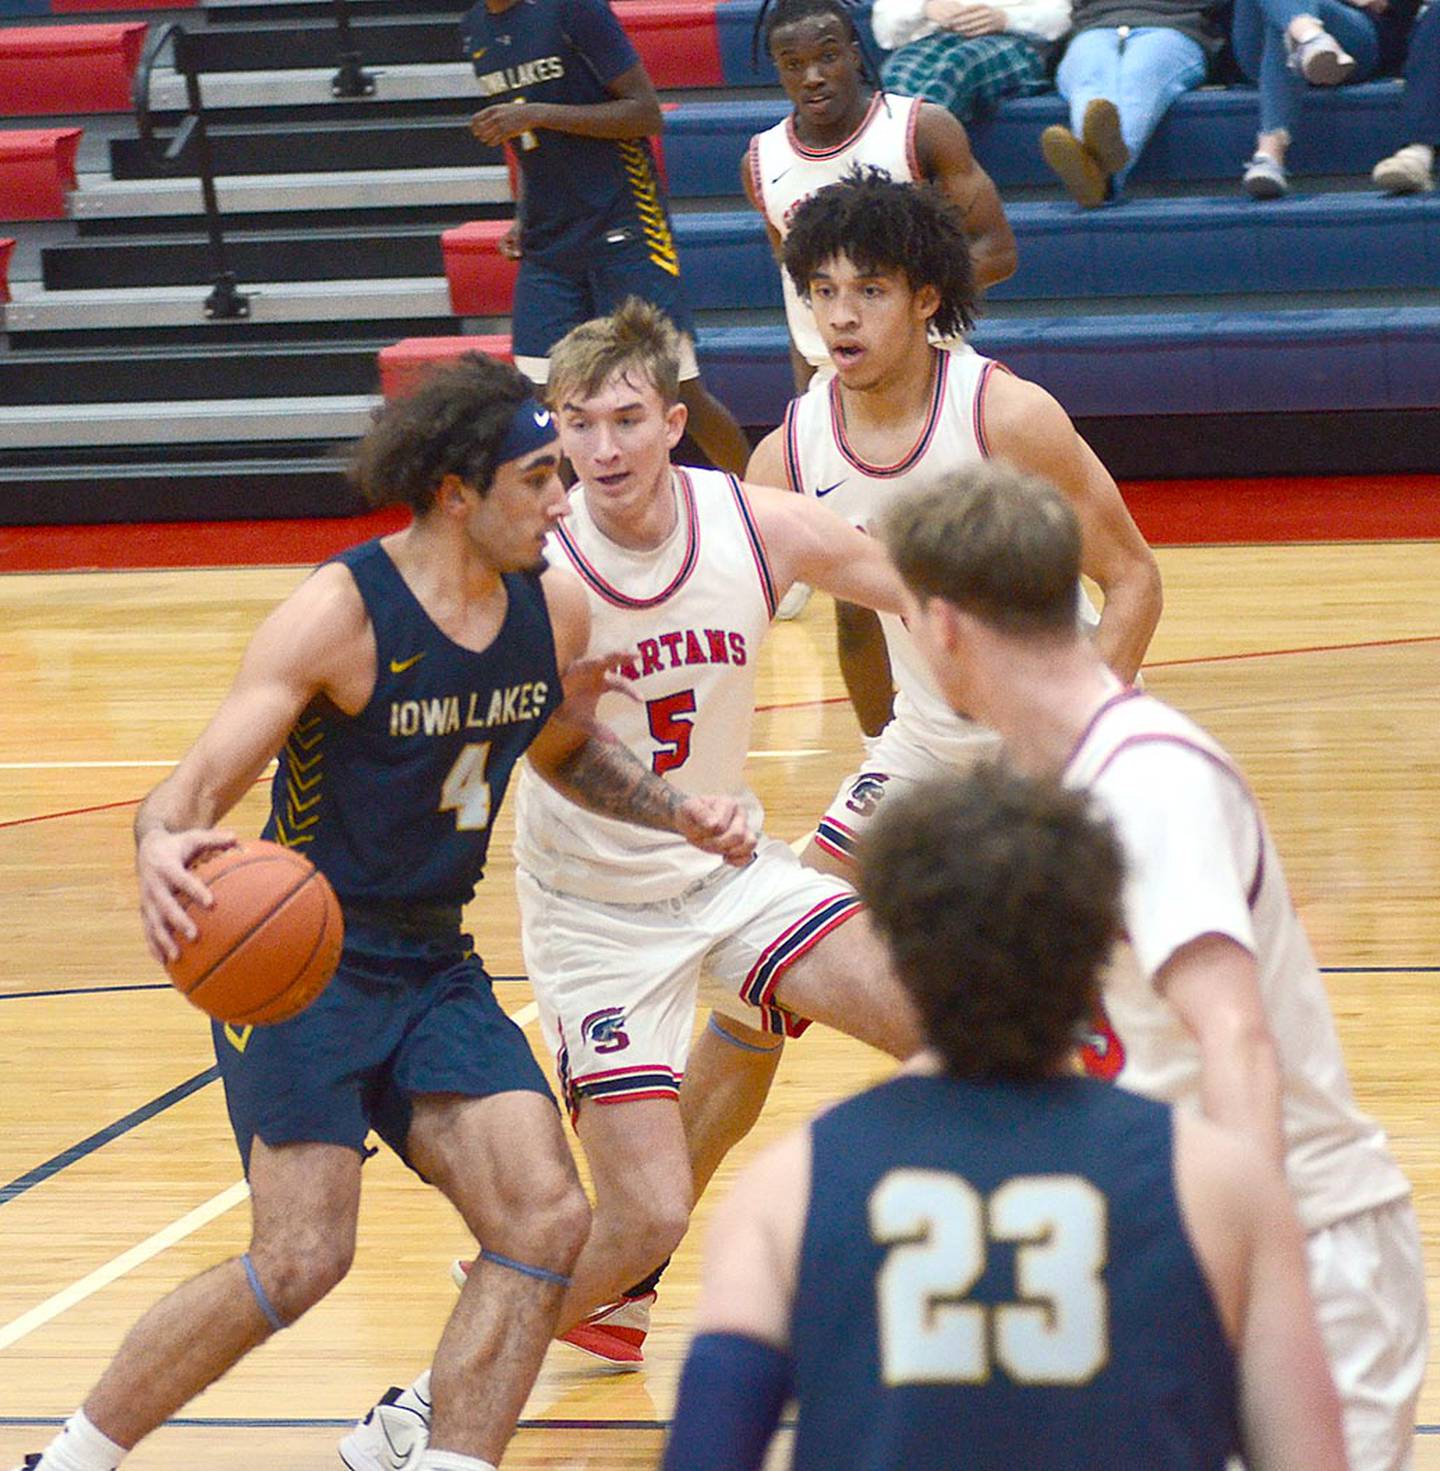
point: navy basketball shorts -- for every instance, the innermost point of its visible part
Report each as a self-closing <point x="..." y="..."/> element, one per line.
<point x="552" y="296"/>
<point x="401" y="1017"/>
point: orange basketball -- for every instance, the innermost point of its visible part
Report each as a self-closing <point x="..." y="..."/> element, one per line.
<point x="271" y="943"/>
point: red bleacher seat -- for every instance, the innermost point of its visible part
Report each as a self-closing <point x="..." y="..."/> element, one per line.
<point x="76" y="7"/>
<point x="482" y="281"/>
<point x="677" y="40"/>
<point x="61" y="70"/>
<point x="37" y="170"/>
<point x="402" y="363"/>
<point x="6" y="246"/>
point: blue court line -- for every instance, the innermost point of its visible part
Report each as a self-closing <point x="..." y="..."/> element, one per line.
<point x="145" y="986"/>
<point x="1380" y="970"/>
<point x="136" y="1117"/>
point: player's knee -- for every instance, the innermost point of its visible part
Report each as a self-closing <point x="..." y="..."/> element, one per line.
<point x="550" y="1222"/>
<point x="658" y="1222"/>
<point x="297" y="1272"/>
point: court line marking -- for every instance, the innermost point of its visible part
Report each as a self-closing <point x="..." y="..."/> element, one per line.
<point x="77" y="765"/>
<point x="146" y="986"/>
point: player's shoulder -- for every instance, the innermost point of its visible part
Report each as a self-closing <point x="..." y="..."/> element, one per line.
<point x="568" y="606"/>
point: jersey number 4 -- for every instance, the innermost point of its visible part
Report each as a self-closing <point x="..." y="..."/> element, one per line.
<point x="466" y="791"/>
<point x="938" y="1227"/>
<point x="671" y="730"/>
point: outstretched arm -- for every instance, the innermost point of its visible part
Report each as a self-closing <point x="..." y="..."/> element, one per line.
<point x="1026" y="428"/>
<point x="947" y="161"/>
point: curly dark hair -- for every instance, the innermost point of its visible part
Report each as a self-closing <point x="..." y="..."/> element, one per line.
<point x="998" y="899"/>
<point x="879" y="224"/>
<point x="452" y="424"/>
<point x="773" y="14"/>
<point x="995" y="542"/>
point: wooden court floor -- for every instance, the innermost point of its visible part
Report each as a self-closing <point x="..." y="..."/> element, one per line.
<point x="1318" y="666"/>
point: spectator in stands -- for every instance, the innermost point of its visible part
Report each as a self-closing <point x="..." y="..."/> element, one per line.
<point x="967" y="56"/>
<point x="1284" y="44"/>
<point x="562" y="82"/>
<point x="1125" y="63"/>
<point x="1411" y="169"/>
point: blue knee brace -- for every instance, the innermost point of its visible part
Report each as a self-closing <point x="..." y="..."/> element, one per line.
<point x="266" y="1306"/>
<point x="540" y="1274"/>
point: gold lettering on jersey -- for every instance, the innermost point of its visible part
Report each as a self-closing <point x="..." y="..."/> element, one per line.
<point x="527" y="74"/>
<point x="685" y="647"/>
<point x="444" y="715"/>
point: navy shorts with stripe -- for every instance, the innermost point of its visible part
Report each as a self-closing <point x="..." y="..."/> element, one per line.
<point x="401" y="1017"/>
<point x="551" y="297"/>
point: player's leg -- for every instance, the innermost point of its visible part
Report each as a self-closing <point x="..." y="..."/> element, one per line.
<point x="727" y="1079"/>
<point x="304" y="1201"/>
<point x="547" y="304"/>
<point x="504" y="1164"/>
<point x="1367" y="1276"/>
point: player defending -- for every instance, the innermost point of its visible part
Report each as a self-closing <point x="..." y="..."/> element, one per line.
<point x="881" y="264"/>
<point x="1216" y="1001"/>
<point x="564" y="85"/>
<point x="398" y="685"/>
<point x="989" y="1261"/>
<point x="841" y="118"/>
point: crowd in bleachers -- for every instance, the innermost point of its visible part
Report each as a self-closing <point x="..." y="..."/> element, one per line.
<point x="1119" y="64"/>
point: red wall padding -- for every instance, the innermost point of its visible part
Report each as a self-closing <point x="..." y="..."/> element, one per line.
<point x="677" y="40"/>
<point x="6" y="246"/>
<point x="402" y="363"/>
<point x="76" y="7"/>
<point x="482" y="281"/>
<point x="37" y="169"/>
<point x="62" y="70"/>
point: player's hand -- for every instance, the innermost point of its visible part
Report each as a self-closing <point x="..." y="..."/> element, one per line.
<point x="160" y="864"/>
<point x="509" y="243"/>
<point x="976" y="20"/>
<point x="585" y="681"/>
<point x="717" y="825"/>
<point x="506" y="120"/>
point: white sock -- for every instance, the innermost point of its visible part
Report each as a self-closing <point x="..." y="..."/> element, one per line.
<point x="453" y="1461"/>
<point x="81" y="1447"/>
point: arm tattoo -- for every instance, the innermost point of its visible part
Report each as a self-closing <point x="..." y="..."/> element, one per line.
<point x="608" y="778"/>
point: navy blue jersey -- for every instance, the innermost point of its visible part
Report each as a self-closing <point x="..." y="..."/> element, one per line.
<point x="997" y="1276"/>
<point x="396" y="803"/>
<point x="577" y="190"/>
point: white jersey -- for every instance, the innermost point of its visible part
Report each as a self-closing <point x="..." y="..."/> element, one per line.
<point x="1201" y="861"/>
<point x="784" y="173"/>
<point x="691" y="614"/>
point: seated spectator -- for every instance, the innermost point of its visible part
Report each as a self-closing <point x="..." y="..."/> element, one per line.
<point x="1125" y="63"/>
<point x="1411" y="169"/>
<point x="966" y="57"/>
<point x="1283" y="45"/>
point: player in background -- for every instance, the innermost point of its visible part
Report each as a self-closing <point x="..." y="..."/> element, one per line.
<point x="840" y="118"/>
<point x="1215" y="1001"/>
<point x="564" y="86"/>
<point x="989" y="1261"/>
<point x="683" y="569"/>
<point x="398" y="686"/>
<point x="882" y="264"/>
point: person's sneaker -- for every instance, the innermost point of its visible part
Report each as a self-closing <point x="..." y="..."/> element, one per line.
<point x="1265" y="179"/>
<point x="1410" y="170"/>
<point x="1321" y="60"/>
<point x="615" y="1334"/>
<point x="392" y="1436"/>
<point x="30" y="1462"/>
<point x="792" y="605"/>
<point x="460" y="1273"/>
<point x="1100" y="133"/>
<point x="1077" y="168"/>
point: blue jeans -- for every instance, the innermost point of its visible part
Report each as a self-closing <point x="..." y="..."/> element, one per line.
<point x="1142" y="73"/>
<point x="1258" y="34"/>
<point x="1422" y="80"/>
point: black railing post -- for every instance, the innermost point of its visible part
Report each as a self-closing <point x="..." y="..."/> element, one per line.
<point x="224" y="301"/>
<point x="352" y="80"/>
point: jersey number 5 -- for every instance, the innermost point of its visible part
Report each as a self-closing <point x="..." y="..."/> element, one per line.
<point x="938" y="1226"/>
<point x="466" y="792"/>
<point x="671" y="730"/>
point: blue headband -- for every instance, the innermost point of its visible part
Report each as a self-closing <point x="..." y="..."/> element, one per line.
<point x="531" y="427"/>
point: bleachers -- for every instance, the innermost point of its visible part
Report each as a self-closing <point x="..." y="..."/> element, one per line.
<point x="364" y="234"/>
<point x="49" y="71"/>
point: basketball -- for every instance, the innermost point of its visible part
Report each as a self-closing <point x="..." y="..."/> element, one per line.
<point x="270" y="944"/>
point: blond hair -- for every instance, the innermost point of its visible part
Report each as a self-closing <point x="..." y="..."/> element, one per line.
<point x="636" y="337"/>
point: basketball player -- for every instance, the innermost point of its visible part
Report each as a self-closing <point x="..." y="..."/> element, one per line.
<point x="842" y="118"/>
<point x="564" y="85"/>
<point x="1216" y="1000"/>
<point x="988" y="1261"/>
<point x="881" y="264"/>
<point x="398" y="686"/>
<point x="683" y="569"/>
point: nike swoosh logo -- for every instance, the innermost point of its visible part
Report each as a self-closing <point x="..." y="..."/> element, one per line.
<point x="399" y="666"/>
<point x="818" y="494"/>
<point x="781" y="174"/>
